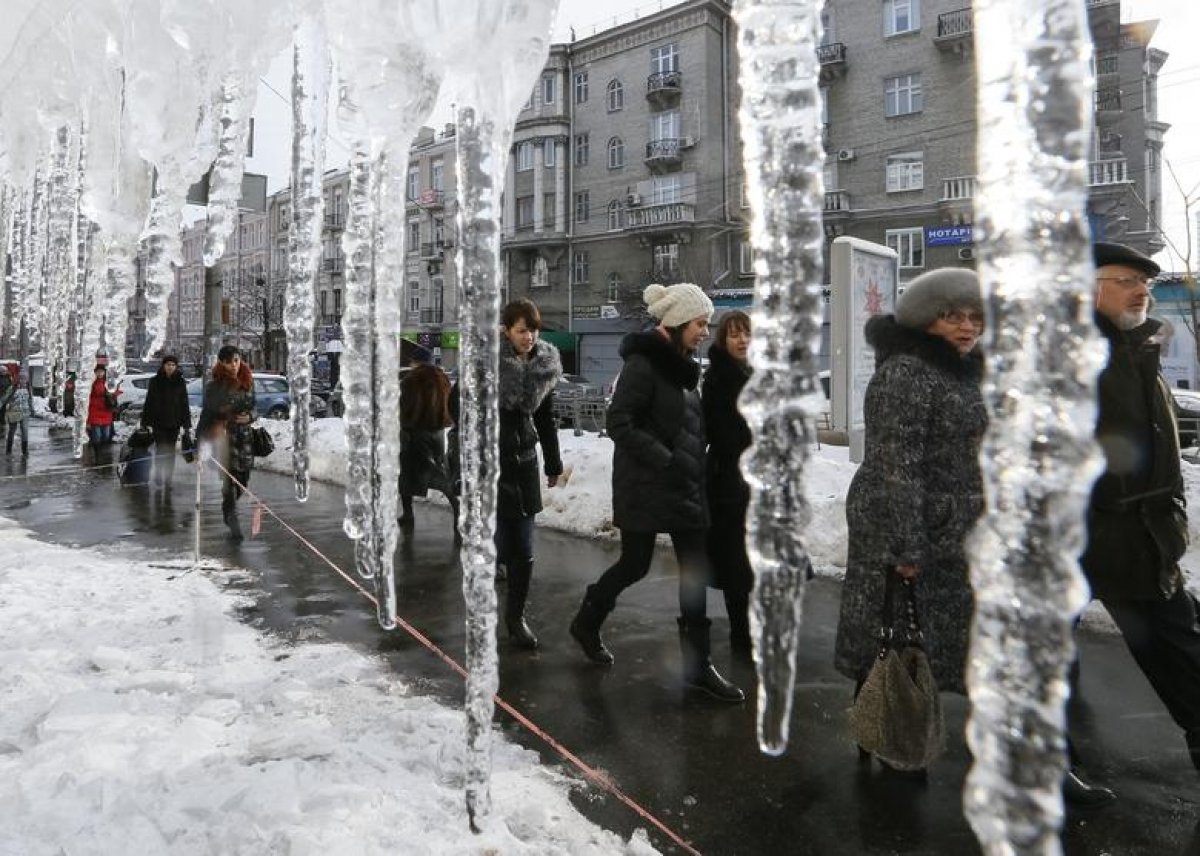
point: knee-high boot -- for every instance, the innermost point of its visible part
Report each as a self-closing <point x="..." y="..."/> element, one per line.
<point x="698" y="670"/>
<point x="737" y="606"/>
<point x="585" y="628"/>
<point x="519" y="577"/>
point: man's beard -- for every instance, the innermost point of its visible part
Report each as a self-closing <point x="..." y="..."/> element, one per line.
<point x="1131" y="319"/>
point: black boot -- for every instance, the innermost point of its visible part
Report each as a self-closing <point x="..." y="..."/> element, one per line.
<point x="698" y="670"/>
<point x="585" y="629"/>
<point x="229" y="513"/>
<point x="737" y="606"/>
<point x="519" y="576"/>
<point x="1078" y="794"/>
<point x="406" y="519"/>
<point x="1193" y="744"/>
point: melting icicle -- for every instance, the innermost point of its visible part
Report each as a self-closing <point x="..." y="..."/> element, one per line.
<point x="1038" y="456"/>
<point x="310" y="104"/>
<point x="780" y="120"/>
<point x="60" y="259"/>
<point x="225" y="181"/>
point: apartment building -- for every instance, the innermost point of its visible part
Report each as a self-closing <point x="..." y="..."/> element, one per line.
<point x="899" y="87"/>
<point x="626" y="170"/>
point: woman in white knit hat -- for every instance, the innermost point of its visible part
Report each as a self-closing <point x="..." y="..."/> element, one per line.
<point x="657" y="427"/>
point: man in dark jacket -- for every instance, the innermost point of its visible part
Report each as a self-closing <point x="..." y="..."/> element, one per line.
<point x="1137" y="520"/>
<point x="166" y="412"/>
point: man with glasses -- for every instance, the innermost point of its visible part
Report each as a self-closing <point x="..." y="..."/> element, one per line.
<point x="1137" y="519"/>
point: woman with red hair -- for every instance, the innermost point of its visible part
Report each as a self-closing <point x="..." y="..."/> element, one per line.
<point x="225" y="417"/>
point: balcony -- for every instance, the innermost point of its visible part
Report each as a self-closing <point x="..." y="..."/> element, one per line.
<point x="959" y="188"/>
<point x="664" y="153"/>
<point x="832" y="58"/>
<point x="335" y="219"/>
<point x="432" y="198"/>
<point x="666" y="272"/>
<point x="955" y="31"/>
<point x="656" y="218"/>
<point x="1108" y="173"/>
<point x="837" y="200"/>
<point x="1107" y="64"/>
<point x="432" y="316"/>
<point x="957" y="203"/>
<point x="1108" y="104"/>
<point x="337" y="264"/>
<point x="431" y="250"/>
<point x="664" y="87"/>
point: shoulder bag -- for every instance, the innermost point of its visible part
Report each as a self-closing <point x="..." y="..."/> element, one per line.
<point x="260" y="442"/>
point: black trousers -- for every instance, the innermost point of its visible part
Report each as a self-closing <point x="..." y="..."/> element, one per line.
<point x="1164" y="639"/>
<point x="637" y="552"/>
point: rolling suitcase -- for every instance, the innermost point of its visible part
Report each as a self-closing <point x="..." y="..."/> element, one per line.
<point x="137" y="455"/>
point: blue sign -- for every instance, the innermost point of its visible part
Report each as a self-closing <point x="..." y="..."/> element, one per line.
<point x="945" y="236"/>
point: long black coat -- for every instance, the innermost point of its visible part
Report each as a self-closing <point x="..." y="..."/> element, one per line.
<point x="916" y="496"/>
<point x="424" y="418"/>
<point x="657" y="427"/>
<point x="1137" y="518"/>
<point x="728" y="494"/>
<point x="166" y="408"/>
<point x="526" y="393"/>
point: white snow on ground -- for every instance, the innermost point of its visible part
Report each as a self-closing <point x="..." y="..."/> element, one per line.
<point x="137" y="716"/>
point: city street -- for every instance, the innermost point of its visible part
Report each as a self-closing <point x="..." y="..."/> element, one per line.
<point x="693" y="764"/>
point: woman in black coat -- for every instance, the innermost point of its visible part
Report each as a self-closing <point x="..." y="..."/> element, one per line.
<point x="166" y="412"/>
<point x="657" y="427"/>
<point x="728" y="494"/>
<point x="225" y="419"/>
<point x="529" y="372"/>
<point x="424" y="418"/>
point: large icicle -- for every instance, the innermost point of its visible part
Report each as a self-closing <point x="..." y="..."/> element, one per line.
<point x="60" y="259"/>
<point x="225" y="180"/>
<point x="781" y="138"/>
<point x="1038" y="456"/>
<point x="310" y="105"/>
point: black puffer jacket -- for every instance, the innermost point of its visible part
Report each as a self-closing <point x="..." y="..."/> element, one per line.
<point x="166" y="409"/>
<point x="1137" y="519"/>
<point x="657" y="427"/>
<point x="526" y="392"/>
<point x="728" y="494"/>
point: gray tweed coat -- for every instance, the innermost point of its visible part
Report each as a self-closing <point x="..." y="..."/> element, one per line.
<point x="916" y="496"/>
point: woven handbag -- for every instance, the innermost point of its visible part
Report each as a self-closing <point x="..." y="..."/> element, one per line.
<point x="897" y="715"/>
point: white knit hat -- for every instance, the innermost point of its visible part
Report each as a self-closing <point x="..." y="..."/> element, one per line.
<point x="676" y="305"/>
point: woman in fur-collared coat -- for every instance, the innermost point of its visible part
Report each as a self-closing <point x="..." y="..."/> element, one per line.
<point x="424" y="418"/>
<point x="225" y="416"/>
<point x="919" y="490"/>
<point x="529" y="372"/>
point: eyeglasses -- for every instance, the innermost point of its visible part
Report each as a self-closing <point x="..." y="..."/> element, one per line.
<point x="958" y="316"/>
<point x="1128" y="281"/>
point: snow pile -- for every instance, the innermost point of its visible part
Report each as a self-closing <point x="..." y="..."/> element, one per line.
<point x="139" y="717"/>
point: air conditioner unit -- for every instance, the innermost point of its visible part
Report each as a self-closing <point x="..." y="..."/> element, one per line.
<point x="845" y="154"/>
<point x="633" y="199"/>
<point x="966" y="254"/>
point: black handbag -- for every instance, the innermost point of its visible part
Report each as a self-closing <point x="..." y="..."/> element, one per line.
<point x="261" y="443"/>
<point x="187" y="445"/>
<point x="897" y="715"/>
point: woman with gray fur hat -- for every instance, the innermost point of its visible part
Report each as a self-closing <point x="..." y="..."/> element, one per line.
<point x="657" y="427"/>
<point x="919" y="489"/>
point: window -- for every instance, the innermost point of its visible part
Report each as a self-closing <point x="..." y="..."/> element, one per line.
<point x="414" y="297"/>
<point x="665" y="189"/>
<point x="901" y="16"/>
<point x="829" y="175"/>
<point x="902" y="95"/>
<point x="745" y="193"/>
<point x="614" y="287"/>
<point x="439" y="231"/>
<point x="905" y="171"/>
<point x="437" y="174"/>
<point x="337" y="301"/>
<point x="414" y="235"/>
<point x="548" y="89"/>
<point x="524" y="211"/>
<point x="581" y="263"/>
<point x="524" y="156"/>
<point x="909" y="244"/>
<point x="581" y="87"/>
<point x="548" y="202"/>
<point x="616" y="215"/>
<point x="665" y="125"/>
<point x="616" y="153"/>
<point x="548" y="151"/>
<point x="581" y="149"/>
<point x="616" y="96"/>
<point x="414" y="182"/>
<point x="666" y="261"/>
<point x="582" y="203"/>
<point x="745" y="258"/>
<point x="665" y="58"/>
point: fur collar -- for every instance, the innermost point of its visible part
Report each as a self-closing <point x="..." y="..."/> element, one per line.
<point x="889" y="339"/>
<point x="524" y="384"/>
<point x="174" y="380"/>
<point x="680" y="371"/>
<point x="1148" y="332"/>
<point x="725" y="369"/>
<point x="243" y="380"/>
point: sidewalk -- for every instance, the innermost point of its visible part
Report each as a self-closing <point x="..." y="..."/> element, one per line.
<point x="693" y="764"/>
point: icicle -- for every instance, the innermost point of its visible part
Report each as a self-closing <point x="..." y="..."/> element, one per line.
<point x="225" y="180"/>
<point x="310" y="105"/>
<point x="35" y="257"/>
<point x="1038" y="456"/>
<point x="781" y="138"/>
<point x="90" y="312"/>
<point x="63" y="201"/>
<point x="6" y="224"/>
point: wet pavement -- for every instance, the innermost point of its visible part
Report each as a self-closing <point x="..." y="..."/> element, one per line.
<point x="694" y="764"/>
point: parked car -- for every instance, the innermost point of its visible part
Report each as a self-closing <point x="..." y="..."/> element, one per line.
<point x="131" y="390"/>
<point x="1187" y="411"/>
<point x="272" y="397"/>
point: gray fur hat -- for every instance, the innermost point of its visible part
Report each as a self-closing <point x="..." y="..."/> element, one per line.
<point x="935" y="292"/>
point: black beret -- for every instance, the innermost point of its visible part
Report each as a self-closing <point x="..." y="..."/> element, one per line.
<point x="1119" y="254"/>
